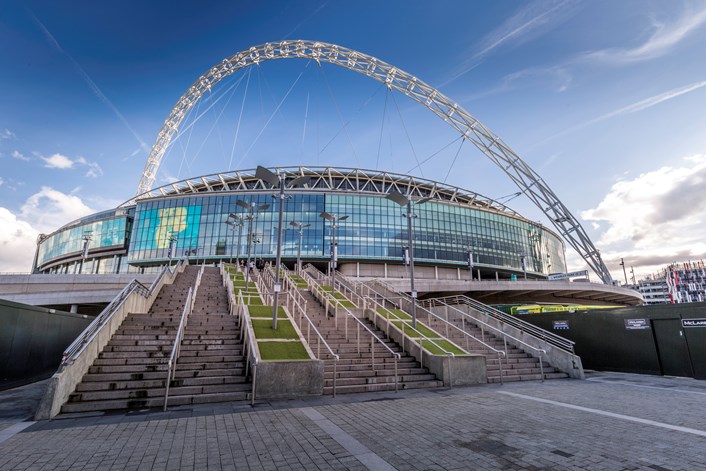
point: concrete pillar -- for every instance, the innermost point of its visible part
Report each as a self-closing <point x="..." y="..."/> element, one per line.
<point x="74" y="308"/>
<point x="436" y="272"/>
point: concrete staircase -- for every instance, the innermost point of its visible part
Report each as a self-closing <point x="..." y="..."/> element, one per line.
<point x="355" y="372"/>
<point x="518" y="366"/>
<point x="211" y="365"/>
<point x="131" y="371"/>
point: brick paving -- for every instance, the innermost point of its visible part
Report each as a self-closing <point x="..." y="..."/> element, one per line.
<point x="608" y="422"/>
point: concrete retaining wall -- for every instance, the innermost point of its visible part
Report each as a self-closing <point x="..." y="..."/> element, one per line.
<point x="459" y="370"/>
<point x="556" y="357"/>
<point x="64" y="381"/>
<point x="285" y="379"/>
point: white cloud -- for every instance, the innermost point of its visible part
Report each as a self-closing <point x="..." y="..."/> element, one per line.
<point x="1" y="181"/>
<point x="17" y="243"/>
<point x="94" y="170"/>
<point x="63" y="162"/>
<point x="19" y="156"/>
<point x="641" y="105"/>
<point x="50" y="209"/>
<point x="654" y="219"/>
<point x="7" y="134"/>
<point x="43" y="212"/>
<point x="529" y="22"/>
<point x="663" y="39"/>
<point x="58" y="161"/>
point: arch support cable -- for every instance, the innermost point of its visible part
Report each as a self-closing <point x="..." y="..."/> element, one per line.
<point x="526" y="179"/>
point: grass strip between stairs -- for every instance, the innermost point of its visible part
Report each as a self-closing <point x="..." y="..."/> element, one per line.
<point x="282" y="351"/>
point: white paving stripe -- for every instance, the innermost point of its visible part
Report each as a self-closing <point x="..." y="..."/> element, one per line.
<point x="629" y="418"/>
<point x="7" y="433"/>
<point x="353" y="446"/>
<point x="623" y="383"/>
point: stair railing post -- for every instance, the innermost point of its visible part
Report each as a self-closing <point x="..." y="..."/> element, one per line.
<point x="372" y="350"/>
<point x="358" y="337"/>
<point x="500" y="362"/>
<point x="541" y="367"/>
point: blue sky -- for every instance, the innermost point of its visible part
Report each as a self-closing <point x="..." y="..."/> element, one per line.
<point x="604" y="99"/>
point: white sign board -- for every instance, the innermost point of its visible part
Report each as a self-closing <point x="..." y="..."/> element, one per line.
<point x="564" y="276"/>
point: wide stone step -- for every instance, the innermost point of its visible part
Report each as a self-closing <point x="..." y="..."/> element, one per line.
<point x="208" y="353"/>
<point x="210" y="341"/>
<point x="210" y="365"/>
<point x="218" y="358"/>
<point x="364" y="373"/>
<point x="350" y="381"/>
<point x="127" y="368"/>
<point x="144" y="337"/>
<point x="362" y="388"/>
<point x="131" y="361"/>
<point x="154" y="402"/>
<point x="162" y="375"/>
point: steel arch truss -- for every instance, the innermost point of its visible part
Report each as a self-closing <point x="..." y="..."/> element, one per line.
<point x="526" y="179"/>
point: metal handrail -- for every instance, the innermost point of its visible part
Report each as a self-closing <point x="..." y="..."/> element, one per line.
<point x="176" y="348"/>
<point x="503" y="335"/>
<point x="524" y="326"/>
<point x="301" y="308"/>
<point x="316" y="288"/>
<point x="90" y="332"/>
<point x="252" y="354"/>
<point x="422" y="336"/>
<point x="448" y="324"/>
<point x="239" y="308"/>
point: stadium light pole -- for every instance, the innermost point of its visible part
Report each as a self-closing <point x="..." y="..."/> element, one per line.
<point x="300" y="228"/>
<point x="172" y="248"/>
<point x="404" y="201"/>
<point x="237" y="221"/>
<point x="252" y="207"/>
<point x="471" y="262"/>
<point x="334" y="247"/>
<point x="278" y="180"/>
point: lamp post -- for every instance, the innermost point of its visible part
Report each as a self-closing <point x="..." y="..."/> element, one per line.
<point x="252" y="207"/>
<point x="278" y="180"/>
<point x="300" y="228"/>
<point x="237" y="220"/>
<point x="334" y="247"/>
<point x="87" y="237"/>
<point x="172" y="248"/>
<point x="622" y="264"/>
<point x="405" y="201"/>
<point x="523" y="263"/>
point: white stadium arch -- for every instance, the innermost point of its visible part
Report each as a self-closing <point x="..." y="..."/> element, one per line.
<point x="526" y="179"/>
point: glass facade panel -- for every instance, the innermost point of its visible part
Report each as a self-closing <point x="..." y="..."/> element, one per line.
<point x="105" y="233"/>
<point x="194" y="226"/>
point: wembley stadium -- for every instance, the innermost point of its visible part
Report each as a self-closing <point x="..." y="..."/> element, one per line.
<point x="209" y="219"/>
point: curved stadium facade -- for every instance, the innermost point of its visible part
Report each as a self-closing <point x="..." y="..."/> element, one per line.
<point x="188" y="219"/>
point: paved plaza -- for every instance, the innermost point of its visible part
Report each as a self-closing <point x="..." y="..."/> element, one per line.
<point x="611" y="421"/>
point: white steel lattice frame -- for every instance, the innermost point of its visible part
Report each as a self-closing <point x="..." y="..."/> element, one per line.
<point x="332" y="179"/>
<point x="526" y="179"/>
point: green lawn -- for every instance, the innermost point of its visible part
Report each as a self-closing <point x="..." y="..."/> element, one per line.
<point x="263" y="329"/>
<point x="392" y="313"/>
<point x="266" y="311"/>
<point x="422" y="330"/>
<point x="445" y="344"/>
<point x="282" y="351"/>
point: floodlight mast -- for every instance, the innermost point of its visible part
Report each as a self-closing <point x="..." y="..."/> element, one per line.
<point x="276" y="179"/>
<point x="527" y="180"/>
